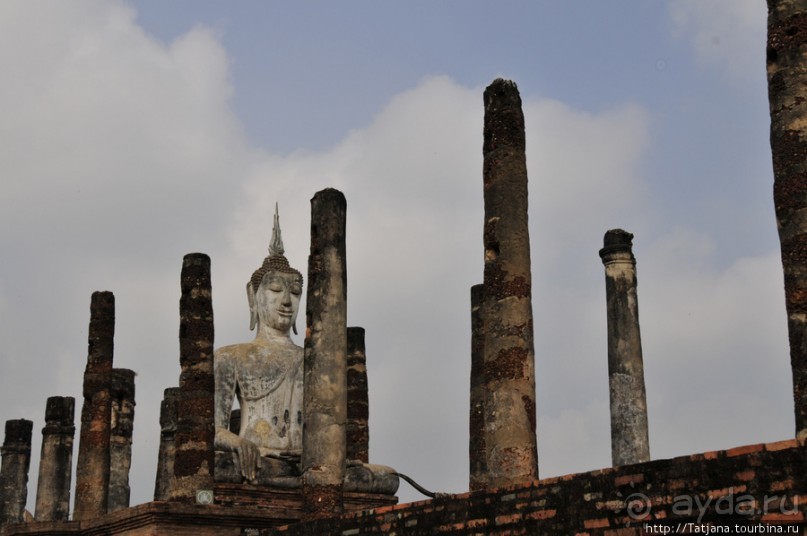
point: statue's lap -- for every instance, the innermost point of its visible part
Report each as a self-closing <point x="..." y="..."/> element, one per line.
<point x="359" y="477"/>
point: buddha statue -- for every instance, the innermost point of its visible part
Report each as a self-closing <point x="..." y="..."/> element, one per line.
<point x="266" y="375"/>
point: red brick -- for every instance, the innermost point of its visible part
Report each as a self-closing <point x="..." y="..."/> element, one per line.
<point x="541" y="514"/>
<point x="747" y="449"/>
<point x="795" y="517"/>
<point x="596" y="523"/>
<point x="505" y="520"/>
<point x="477" y="523"/>
<point x="710" y="455"/>
<point x="745" y="476"/>
<point x="734" y="490"/>
<point x="383" y="509"/>
<point x="680" y="483"/>
<point x="782" y="445"/>
<point x="629" y="479"/>
<point x="782" y="485"/>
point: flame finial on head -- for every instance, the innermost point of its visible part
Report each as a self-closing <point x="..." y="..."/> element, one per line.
<point x="276" y="245"/>
<point x="276" y="261"/>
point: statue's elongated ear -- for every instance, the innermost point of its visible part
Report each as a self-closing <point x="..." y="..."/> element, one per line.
<point x="253" y="313"/>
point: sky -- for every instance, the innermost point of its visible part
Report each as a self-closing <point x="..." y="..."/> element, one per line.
<point x="135" y="132"/>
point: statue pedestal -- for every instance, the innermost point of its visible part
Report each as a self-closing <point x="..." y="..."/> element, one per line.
<point x="287" y="503"/>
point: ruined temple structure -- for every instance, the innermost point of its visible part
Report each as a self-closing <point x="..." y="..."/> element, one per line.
<point x="259" y="471"/>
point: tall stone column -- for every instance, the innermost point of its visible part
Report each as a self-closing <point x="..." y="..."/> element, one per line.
<point x="358" y="404"/>
<point x="92" y="469"/>
<point x="120" y="453"/>
<point x="509" y="362"/>
<point x="194" y="458"/>
<point x="477" y="454"/>
<point x="325" y="363"/>
<point x="56" y="460"/>
<point x="167" y="452"/>
<point x="629" y="438"/>
<point x="16" y="453"/>
<point x="787" y="93"/>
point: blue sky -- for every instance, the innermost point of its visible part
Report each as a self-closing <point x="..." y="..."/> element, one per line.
<point x="136" y="132"/>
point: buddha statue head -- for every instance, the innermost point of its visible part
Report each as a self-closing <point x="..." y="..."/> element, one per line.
<point x="274" y="290"/>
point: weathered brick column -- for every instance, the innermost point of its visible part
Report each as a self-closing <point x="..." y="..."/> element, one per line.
<point x="120" y="453"/>
<point x="16" y="452"/>
<point x="92" y="469"/>
<point x="629" y="438"/>
<point x="325" y="364"/>
<point x="167" y="452"/>
<point x="509" y="361"/>
<point x="194" y="459"/>
<point x="56" y="460"/>
<point x="787" y="93"/>
<point x="477" y="454"/>
<point x="358" y="404"/>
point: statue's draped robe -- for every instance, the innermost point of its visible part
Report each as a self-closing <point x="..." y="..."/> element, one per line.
<point x="269" y="386"/>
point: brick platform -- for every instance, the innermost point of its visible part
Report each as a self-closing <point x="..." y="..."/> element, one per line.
<point x="770" y="477"/>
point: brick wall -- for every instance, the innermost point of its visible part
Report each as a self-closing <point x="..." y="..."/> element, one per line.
<point x="755" y="485"/>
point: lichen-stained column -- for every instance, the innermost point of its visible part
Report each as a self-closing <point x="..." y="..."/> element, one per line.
<point x="787" y="94"/>
<point x="325" y="364"/>
<point x="167" y="452"/>
<point x="509" y="361"/>
<point x="92" y="468"/>
<point x="629" y="441"/>
<point x="120" y="448"/>
<point x="358" y="406"/>
<point x="56" y="460"/>
<point x="16" y="452"/>
<point x="476" y="445"/>
<point x="194" y="458"/>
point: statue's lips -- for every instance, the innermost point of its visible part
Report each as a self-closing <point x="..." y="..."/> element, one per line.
<point x="284" y="313"/>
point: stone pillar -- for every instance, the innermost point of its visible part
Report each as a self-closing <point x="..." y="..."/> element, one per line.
<point x="509" y="361"/>
<point x="92" y="469"/>
<point x="120" y="453"/>
<point x="56" y="460"/>
<point x="167" y="452"/>
<point x="358" y="404"/>
<point x="787" y="93"/>
<point x="16" y="452"/>
<point x="325" y="363"/>
<point x="194" y="459"/>
<point x="629" y="441"/>
<point x="477" y="454"/>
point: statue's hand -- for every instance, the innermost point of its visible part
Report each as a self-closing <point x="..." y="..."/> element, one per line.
<point x="248" y="457"/>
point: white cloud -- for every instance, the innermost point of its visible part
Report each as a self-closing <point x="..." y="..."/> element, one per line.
<point x="725" y="33"/>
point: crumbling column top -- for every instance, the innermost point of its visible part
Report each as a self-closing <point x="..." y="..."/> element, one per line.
<point x="18" y="431"/>
<point x="617" y="246"/>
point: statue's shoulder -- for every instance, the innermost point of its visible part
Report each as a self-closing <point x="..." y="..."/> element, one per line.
<point x="235" y="352"/>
